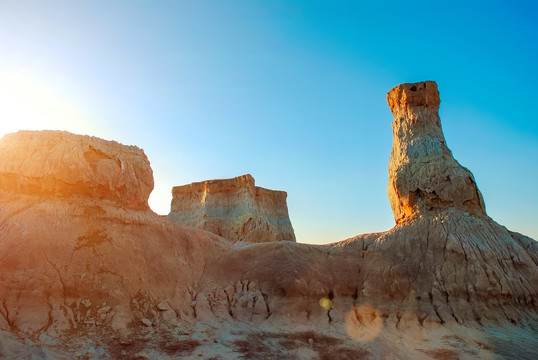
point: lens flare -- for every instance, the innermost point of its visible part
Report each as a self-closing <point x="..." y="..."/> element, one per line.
<point x="325" y="303"/>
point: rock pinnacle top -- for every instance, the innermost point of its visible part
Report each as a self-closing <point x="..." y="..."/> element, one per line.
<point x="404" y="97"/>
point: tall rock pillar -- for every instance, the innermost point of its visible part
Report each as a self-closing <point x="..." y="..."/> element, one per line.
<point x="423" y="174"/>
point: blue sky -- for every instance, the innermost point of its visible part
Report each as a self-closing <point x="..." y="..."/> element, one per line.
<point x="292" y="92"/>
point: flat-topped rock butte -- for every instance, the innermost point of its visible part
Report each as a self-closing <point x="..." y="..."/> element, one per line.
<point x="234" y="209"/>
<point x="87" y="270"/>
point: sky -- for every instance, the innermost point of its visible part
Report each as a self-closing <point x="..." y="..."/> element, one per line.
<point x="292" y="92"/>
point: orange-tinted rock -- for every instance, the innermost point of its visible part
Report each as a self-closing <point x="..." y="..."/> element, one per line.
<point x="405" y="99"/>
<point x="423" y="175"/>
<point x="58" y="164"/>
<point x="78" y="242"/>
<point x="233" y="208"/>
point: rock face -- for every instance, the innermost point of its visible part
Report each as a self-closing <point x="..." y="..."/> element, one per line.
<point x="233" y="208"/>
<point x="58" y="164"/>
<point x="423" y="175"/>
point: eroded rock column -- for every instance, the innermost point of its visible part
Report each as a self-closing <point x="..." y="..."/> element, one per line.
<point x="423" y="174"/>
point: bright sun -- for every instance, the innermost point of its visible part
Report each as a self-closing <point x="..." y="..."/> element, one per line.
<point x="27" y="104"/>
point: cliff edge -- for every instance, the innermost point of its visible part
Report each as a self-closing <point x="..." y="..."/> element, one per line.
<point x="78" y="240"/>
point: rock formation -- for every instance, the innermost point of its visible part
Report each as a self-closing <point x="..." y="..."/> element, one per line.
<point x="446" y="267"/>
<point x="77" y="239"/>
<point x="234" y="209"/>
<point x="423" y="175"/>
<point x="56" y="164"/>
<point x="88" y="271"/>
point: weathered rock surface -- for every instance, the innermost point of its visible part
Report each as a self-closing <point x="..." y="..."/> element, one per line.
<point x="423" y="175"/>
<point x="453" y="268"/>
<point x="233" y="208"/>
<point x="58" y="164"/>
<point x="84" y="274"/>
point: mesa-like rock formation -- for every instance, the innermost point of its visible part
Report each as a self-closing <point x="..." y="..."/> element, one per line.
<point x="88" y="271"/>
<point x="423" y="175"/>
<point x="57" y="164"/>
<point x="233" y="208"/>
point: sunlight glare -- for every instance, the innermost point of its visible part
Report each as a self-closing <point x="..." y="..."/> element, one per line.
<point x="27" y="104"/>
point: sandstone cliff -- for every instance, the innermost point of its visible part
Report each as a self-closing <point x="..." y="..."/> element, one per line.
<point x="235" y="209"/>
<point x="445" y="268"/>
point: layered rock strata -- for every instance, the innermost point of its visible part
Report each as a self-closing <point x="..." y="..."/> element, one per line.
<point x="445" y="267"/>
<point x="233" y="208"/>
<point x="423" y="175"/>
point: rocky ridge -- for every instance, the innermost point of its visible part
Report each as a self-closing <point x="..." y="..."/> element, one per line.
<point x="233" y="208"/>
<point x="88" y="274"/>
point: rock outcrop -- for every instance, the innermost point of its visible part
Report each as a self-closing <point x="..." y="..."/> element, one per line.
<point x="233" y="208"/>
<point x="57" y="164"/>
<point x="423" y="175"/>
